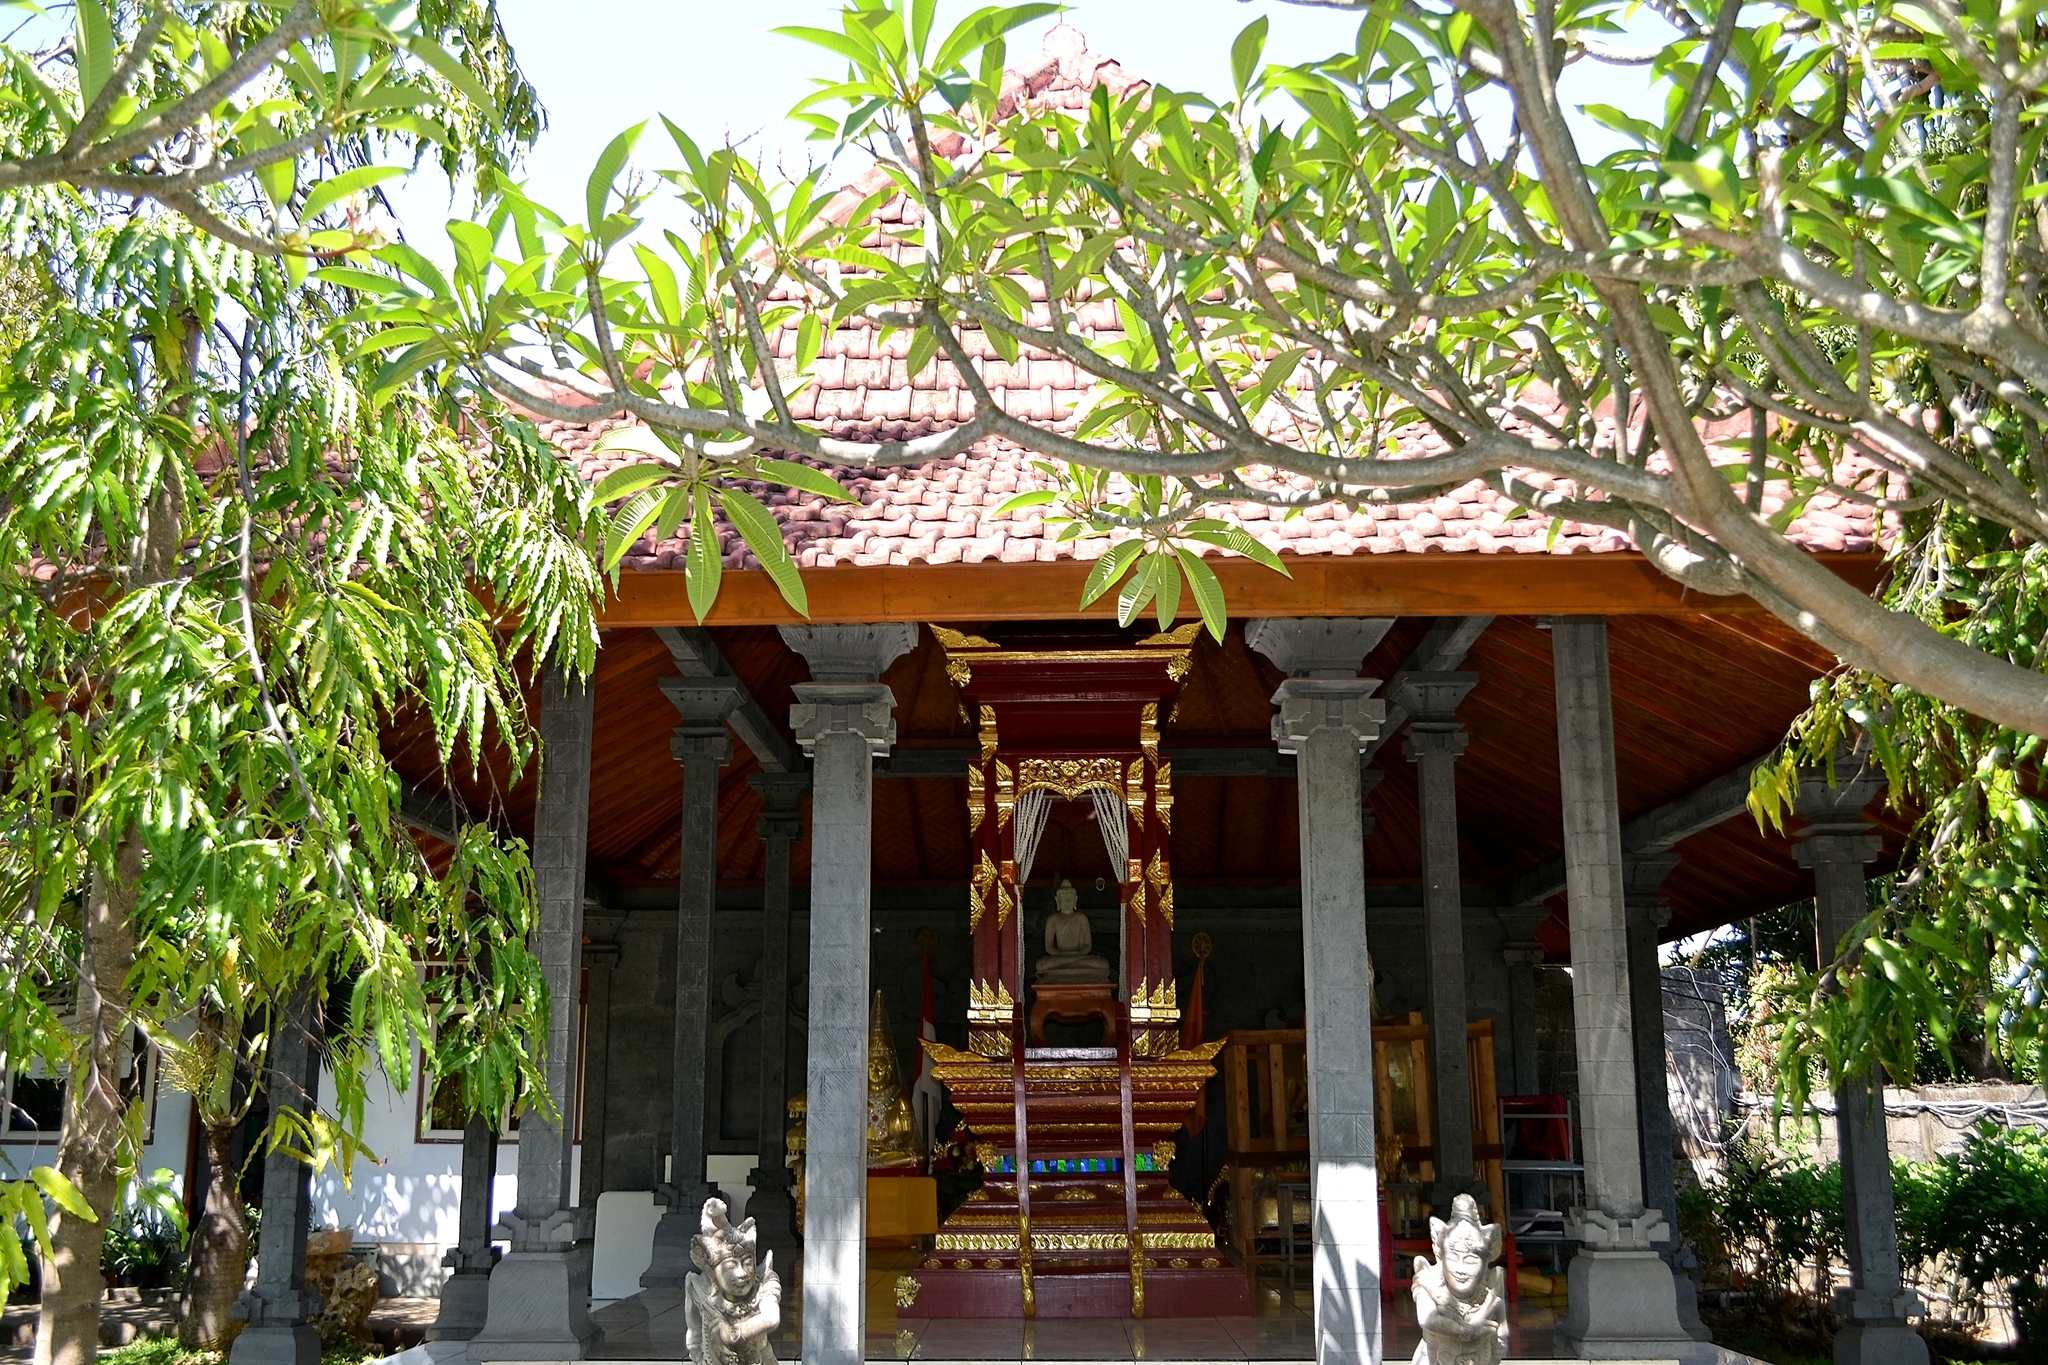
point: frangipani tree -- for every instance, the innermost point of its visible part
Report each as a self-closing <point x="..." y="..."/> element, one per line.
<point x="1828" y="241"/>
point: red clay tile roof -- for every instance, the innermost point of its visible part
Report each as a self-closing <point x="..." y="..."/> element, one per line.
<point x="944" y="512"/>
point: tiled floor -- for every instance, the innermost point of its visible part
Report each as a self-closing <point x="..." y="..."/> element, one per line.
<point x="649" y="1326"/>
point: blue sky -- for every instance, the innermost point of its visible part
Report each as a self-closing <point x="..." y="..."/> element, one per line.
<point x="716" y="67"/>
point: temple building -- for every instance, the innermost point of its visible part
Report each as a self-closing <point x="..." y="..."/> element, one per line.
<point x="1243" y="957"/>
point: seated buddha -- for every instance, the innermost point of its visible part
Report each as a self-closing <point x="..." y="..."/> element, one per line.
<point x="1069" y="956"/>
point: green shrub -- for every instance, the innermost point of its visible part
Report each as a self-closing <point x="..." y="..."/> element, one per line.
<point x="1987" y="1208"/>
<point x="1766" y="1216"/>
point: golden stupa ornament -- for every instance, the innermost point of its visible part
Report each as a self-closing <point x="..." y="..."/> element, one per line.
<point x="892" y="1128"/>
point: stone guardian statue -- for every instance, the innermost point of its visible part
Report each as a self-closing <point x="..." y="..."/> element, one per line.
<point x="1461" y="1301"/>
<point x="729" y="1307"/>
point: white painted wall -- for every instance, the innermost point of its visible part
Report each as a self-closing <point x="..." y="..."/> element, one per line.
<point x="169" y="1145"/>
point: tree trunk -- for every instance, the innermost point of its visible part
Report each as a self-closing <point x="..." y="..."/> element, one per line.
<point x="218" y="1259"/>
<point x="68" y="1332"/>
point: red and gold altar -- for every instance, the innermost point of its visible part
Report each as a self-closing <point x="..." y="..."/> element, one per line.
<point x="1075" y="1217"/>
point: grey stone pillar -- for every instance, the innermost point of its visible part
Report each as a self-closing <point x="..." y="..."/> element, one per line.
<point x="842" y="718"/>
<point x="703" y="748"/>
<point x="466" y="1293"/>
<point x="1435" y="739"/>
<point x="1326" y="718"/>
<point x="772" y="1206"/>
<point x="540" y="1292"/>
<point x="1523" y="955"/>
<point x="1836" y="844"/>
<point x="1643" y="875"/>
<point x="1623" y="1301"/>
<point x="600" y="960"/>
<point x="279" y="1309"/>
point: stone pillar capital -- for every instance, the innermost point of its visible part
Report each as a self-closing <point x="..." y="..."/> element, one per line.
<point x="1836" y="848"/>
<point x="692" y="744"/>
<point x="1316" y="647"/>
<point x="601" y="957"/>
<point x="782" y="794"/>
<point x="850" y="654"/>
<point x="1837" y="793"/>
<point x="835" y="708"/>
<point x="1642" y="887"/>
<point x="1434" y="740"/>
<point x="1431" y="697"/>
<point x="1307" y="705"/>
<point x="1523" y="954"/>
<point x="703" y="701"/>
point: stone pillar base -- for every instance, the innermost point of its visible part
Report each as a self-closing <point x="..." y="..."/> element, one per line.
<point x="670" y="1264"/>
<point x="773" y="1210"/>
<point x="539" y="1307"/>
<point x="276" y="1345"/>
<point x="1624" y="1307"/>
<point x="465" y="1306"/>
<point x="1877" y="1343"/>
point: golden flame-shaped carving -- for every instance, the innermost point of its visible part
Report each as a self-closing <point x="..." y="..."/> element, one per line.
<point x="1134" y="792"/>
<point x="978" y="888"/>
<point x="1148" y="730"/>
<point x="977" y="798"/>
<point x="1162" y="795"/>
<point x="988" y="733"/>
<point x="1006" y="794"/>
<point x="1068" y="777"/>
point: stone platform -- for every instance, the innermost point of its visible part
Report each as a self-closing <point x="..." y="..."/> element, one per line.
<point x="1080" y="1254"/>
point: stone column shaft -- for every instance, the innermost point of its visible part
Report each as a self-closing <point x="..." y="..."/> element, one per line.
<point x="1435" y="739"/>
<point x="772" y="1207"/>
<point x="1836" y="845"/>
<point x="702" y="748"/>
<point x="1326" y="718"/>
<point x="280" y="1308"/>
<point x="540" y="1292"/>
<point x="465" y="1295"/>
<point x="1623" y="1300"/>
<point x="843" y="721"/>
<point x="599" y="961"/>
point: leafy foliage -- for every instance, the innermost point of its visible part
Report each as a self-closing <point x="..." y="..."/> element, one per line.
<point x="1765" y="1216"/>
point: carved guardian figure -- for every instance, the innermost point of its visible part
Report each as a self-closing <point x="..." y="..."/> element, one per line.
<point x="1461" y="1301"/>
<point x="729" y="1308"/>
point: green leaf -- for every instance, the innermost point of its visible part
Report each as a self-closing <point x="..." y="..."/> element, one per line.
<point x="1036" y="498"/>
<point x="757" y="526"/>
<point x="790" y="474"/>
<point x="62" y="1192"/>
<point x="923" y="346"/>
<point x="1139" y="589"/>
<point x="337" y="188"/>
<point x="1208" y="590"/>
<point x="451" y="71"/>
<point x="636" y="439"/>
<point x="1238" y="540"/>
<point x="702" y="568"/>
<point x="93" y="36"/>
<point x="629" y="479"/>
<point x="597" y="192"/>
<point x="1245" y="53"/>
<point x="1109" y="569"/>
<point x="1712" y="173"/>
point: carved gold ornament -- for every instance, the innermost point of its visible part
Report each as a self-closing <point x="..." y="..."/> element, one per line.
<point x="1006" y="794"/>
<point x="1162" y="795"/>
<point x="1069" y="777"/>
<point x="1161" y="878"/>
<point x="985" y="1242"/>
<point x="1078" y="1192"/>
<point x="1210" y="1263"/>
<point x="1134" y="792"/>
<point x="1179" y="635"/>
<point x="1179" y="1263"/>
<point x="988" y="733"/>
<point x="1138" y="901"/>
<point x="977" y="798"/>
<point x="1148" y="730"/>
<point x="958" y="671"/>
<point x="953" y="639"/>
<point x="978" y="888"/>
<point x="1163" y="1151"/>
<point x="1138" y="1264"/>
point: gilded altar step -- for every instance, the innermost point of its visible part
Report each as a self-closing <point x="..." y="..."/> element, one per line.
<point x="1080" y="1254"/>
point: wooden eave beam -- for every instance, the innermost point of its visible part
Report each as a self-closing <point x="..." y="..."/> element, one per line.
<point x="1460" y="584"/>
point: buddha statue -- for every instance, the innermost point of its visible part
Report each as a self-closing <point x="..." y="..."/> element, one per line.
<point x="892" y="1128"/>
<point x="1069" y="956"/>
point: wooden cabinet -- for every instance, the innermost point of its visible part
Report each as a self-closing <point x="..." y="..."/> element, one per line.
<point x="1265" y="1088"/>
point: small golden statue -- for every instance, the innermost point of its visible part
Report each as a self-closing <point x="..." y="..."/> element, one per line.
<point x="793" y="1152"/>
<point x="892" y="1128"/>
